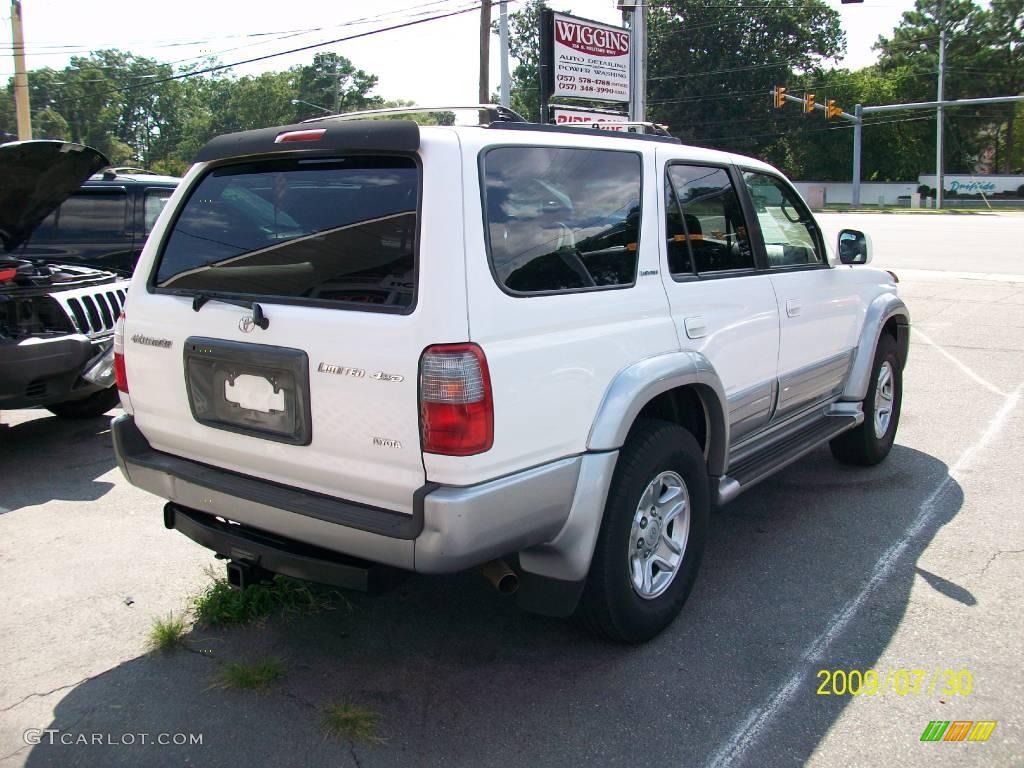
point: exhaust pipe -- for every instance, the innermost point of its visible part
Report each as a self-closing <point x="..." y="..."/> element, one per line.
<point x="503" y="578"/>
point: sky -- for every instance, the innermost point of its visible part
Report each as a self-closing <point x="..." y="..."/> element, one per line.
<point x="432" y="63"/>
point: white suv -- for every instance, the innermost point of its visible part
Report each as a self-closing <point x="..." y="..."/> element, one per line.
<point x="356" y="342"/>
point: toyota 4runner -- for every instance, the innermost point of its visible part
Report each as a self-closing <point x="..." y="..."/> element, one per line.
<point x="443" y="347"/>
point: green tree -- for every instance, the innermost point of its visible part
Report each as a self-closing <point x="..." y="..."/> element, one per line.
<point x="1001" y="64"/>
<point x="524" y="48"/>
<point x="50" y="124"/>
<point x="8" y="122"/>
<point x="711" y="67"/>
<point x="820" y="149"/>
<point x="973" y="39"/>
<point x="334" y="82"/>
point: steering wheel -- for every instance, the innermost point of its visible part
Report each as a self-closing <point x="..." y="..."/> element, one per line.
<point x="566" y="250"/>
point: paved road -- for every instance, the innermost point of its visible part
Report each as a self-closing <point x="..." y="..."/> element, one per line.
<point x="915" y="564"/>
<point x="984" y="243"/>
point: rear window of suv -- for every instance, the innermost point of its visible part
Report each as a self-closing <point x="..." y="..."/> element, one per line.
<point x="562" y="219"/>
<point x="338" y="230"/>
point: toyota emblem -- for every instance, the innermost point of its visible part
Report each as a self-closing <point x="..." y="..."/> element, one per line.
<point x="246" y="324"/>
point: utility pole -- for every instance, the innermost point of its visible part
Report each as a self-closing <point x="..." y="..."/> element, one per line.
<point x="337" y="84"/>
<point x="638" y="62"/>
<point x="485" y="51"/>
<point x="858" y="138"/>
<point x="506" y="96"/>
<point x="939" y="180"/>
<point x="20" y="75"/>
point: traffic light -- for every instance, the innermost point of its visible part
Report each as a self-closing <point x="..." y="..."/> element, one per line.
<point x="832" y="109"/>
<point x="809" y="102"/>
<point x="780" y="96"/>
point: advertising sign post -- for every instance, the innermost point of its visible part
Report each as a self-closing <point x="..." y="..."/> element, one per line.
<point x="582" y="59"/>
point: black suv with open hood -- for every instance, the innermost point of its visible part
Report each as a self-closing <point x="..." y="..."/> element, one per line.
<point x="56" y="320"/>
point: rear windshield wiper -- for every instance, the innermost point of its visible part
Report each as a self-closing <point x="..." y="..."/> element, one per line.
<point x="258" y="318"/>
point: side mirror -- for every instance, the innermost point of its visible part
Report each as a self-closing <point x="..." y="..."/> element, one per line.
<point x="854" y="247"/>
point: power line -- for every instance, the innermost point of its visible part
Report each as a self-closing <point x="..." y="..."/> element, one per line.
<point x="823" y="84"/>
<point x="214" y="54"/>
<point x="220" y="67"/>
<point x="62" y="49"/>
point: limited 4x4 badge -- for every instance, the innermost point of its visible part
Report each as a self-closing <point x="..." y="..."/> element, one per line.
<point x="358" y="373"/>
<point x="341" y="370"/>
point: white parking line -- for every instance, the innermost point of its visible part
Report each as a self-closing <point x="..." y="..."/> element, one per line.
<point x="968" y="371"/>
<point x="936" y="275"/>
<point x="736" y="746"/>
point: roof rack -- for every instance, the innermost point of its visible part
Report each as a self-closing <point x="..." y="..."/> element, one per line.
<point x="495" y="113"/>
<point x="112" y="172"/>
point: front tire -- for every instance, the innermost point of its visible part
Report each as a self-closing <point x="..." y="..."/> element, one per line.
<point x="869" y="443"/>
<point x="652" y="536"/>
<point x="91" y="407"/>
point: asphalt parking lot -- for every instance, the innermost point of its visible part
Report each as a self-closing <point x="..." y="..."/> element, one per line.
<point x="912" y="565"/>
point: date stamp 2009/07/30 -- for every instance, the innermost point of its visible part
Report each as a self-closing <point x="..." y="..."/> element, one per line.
<point x="898" y="682"/>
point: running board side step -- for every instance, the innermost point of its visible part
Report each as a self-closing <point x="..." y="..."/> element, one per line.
<point x="768" y="460"/>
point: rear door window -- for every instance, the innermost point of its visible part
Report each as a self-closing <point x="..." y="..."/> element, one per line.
<point x="704" y="222"/>
<point x="562" y="219"/>
<point x="337" y="230"/>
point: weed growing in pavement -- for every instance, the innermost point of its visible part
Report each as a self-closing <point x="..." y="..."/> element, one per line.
<point x="221" y="606"/>
<point x="167" y="634"/>
<point x="354" y="722"/>
<point x="249" y="676"/>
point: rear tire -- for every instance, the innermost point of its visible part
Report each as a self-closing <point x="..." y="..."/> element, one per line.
<point x="652" y="535"/>
<point x="871" y="442"/>
<point x="91" y="407"/>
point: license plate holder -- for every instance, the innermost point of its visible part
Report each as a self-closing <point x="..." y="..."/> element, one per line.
<point x="252" y="389"/>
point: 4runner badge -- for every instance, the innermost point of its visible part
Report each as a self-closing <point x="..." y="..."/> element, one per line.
<point x="138" y="338"/>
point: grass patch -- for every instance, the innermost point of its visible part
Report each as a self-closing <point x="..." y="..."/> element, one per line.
<point x="354" y="722"/>
<point x="221" y="606"/>
<point x="167" y="634"/>
<point x="251" y="676"/>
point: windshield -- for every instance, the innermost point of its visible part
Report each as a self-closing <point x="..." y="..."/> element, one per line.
<point x="336" y="230"/>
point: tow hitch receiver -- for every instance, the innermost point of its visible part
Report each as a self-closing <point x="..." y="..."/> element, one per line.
<point x="242" y="574"/>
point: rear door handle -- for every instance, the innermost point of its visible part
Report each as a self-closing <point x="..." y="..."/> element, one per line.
<point x="696" y="328"/>
<point x="792" y="307"/>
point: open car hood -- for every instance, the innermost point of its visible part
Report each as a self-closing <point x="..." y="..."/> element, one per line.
<point x="36" y="177"/>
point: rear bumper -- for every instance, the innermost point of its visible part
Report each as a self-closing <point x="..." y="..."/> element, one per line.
<point x="45" y="371"/>
<point x="451" y="528"/>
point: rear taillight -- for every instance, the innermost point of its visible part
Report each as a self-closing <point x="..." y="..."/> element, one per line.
<point x="120" y="374"/>
<point x="456" y="410"/>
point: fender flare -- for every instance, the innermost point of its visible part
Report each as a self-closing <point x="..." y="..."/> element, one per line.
<point x="566" y="558"/>
<point x="882" y="309"/>
<point x="636" y="385"/>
